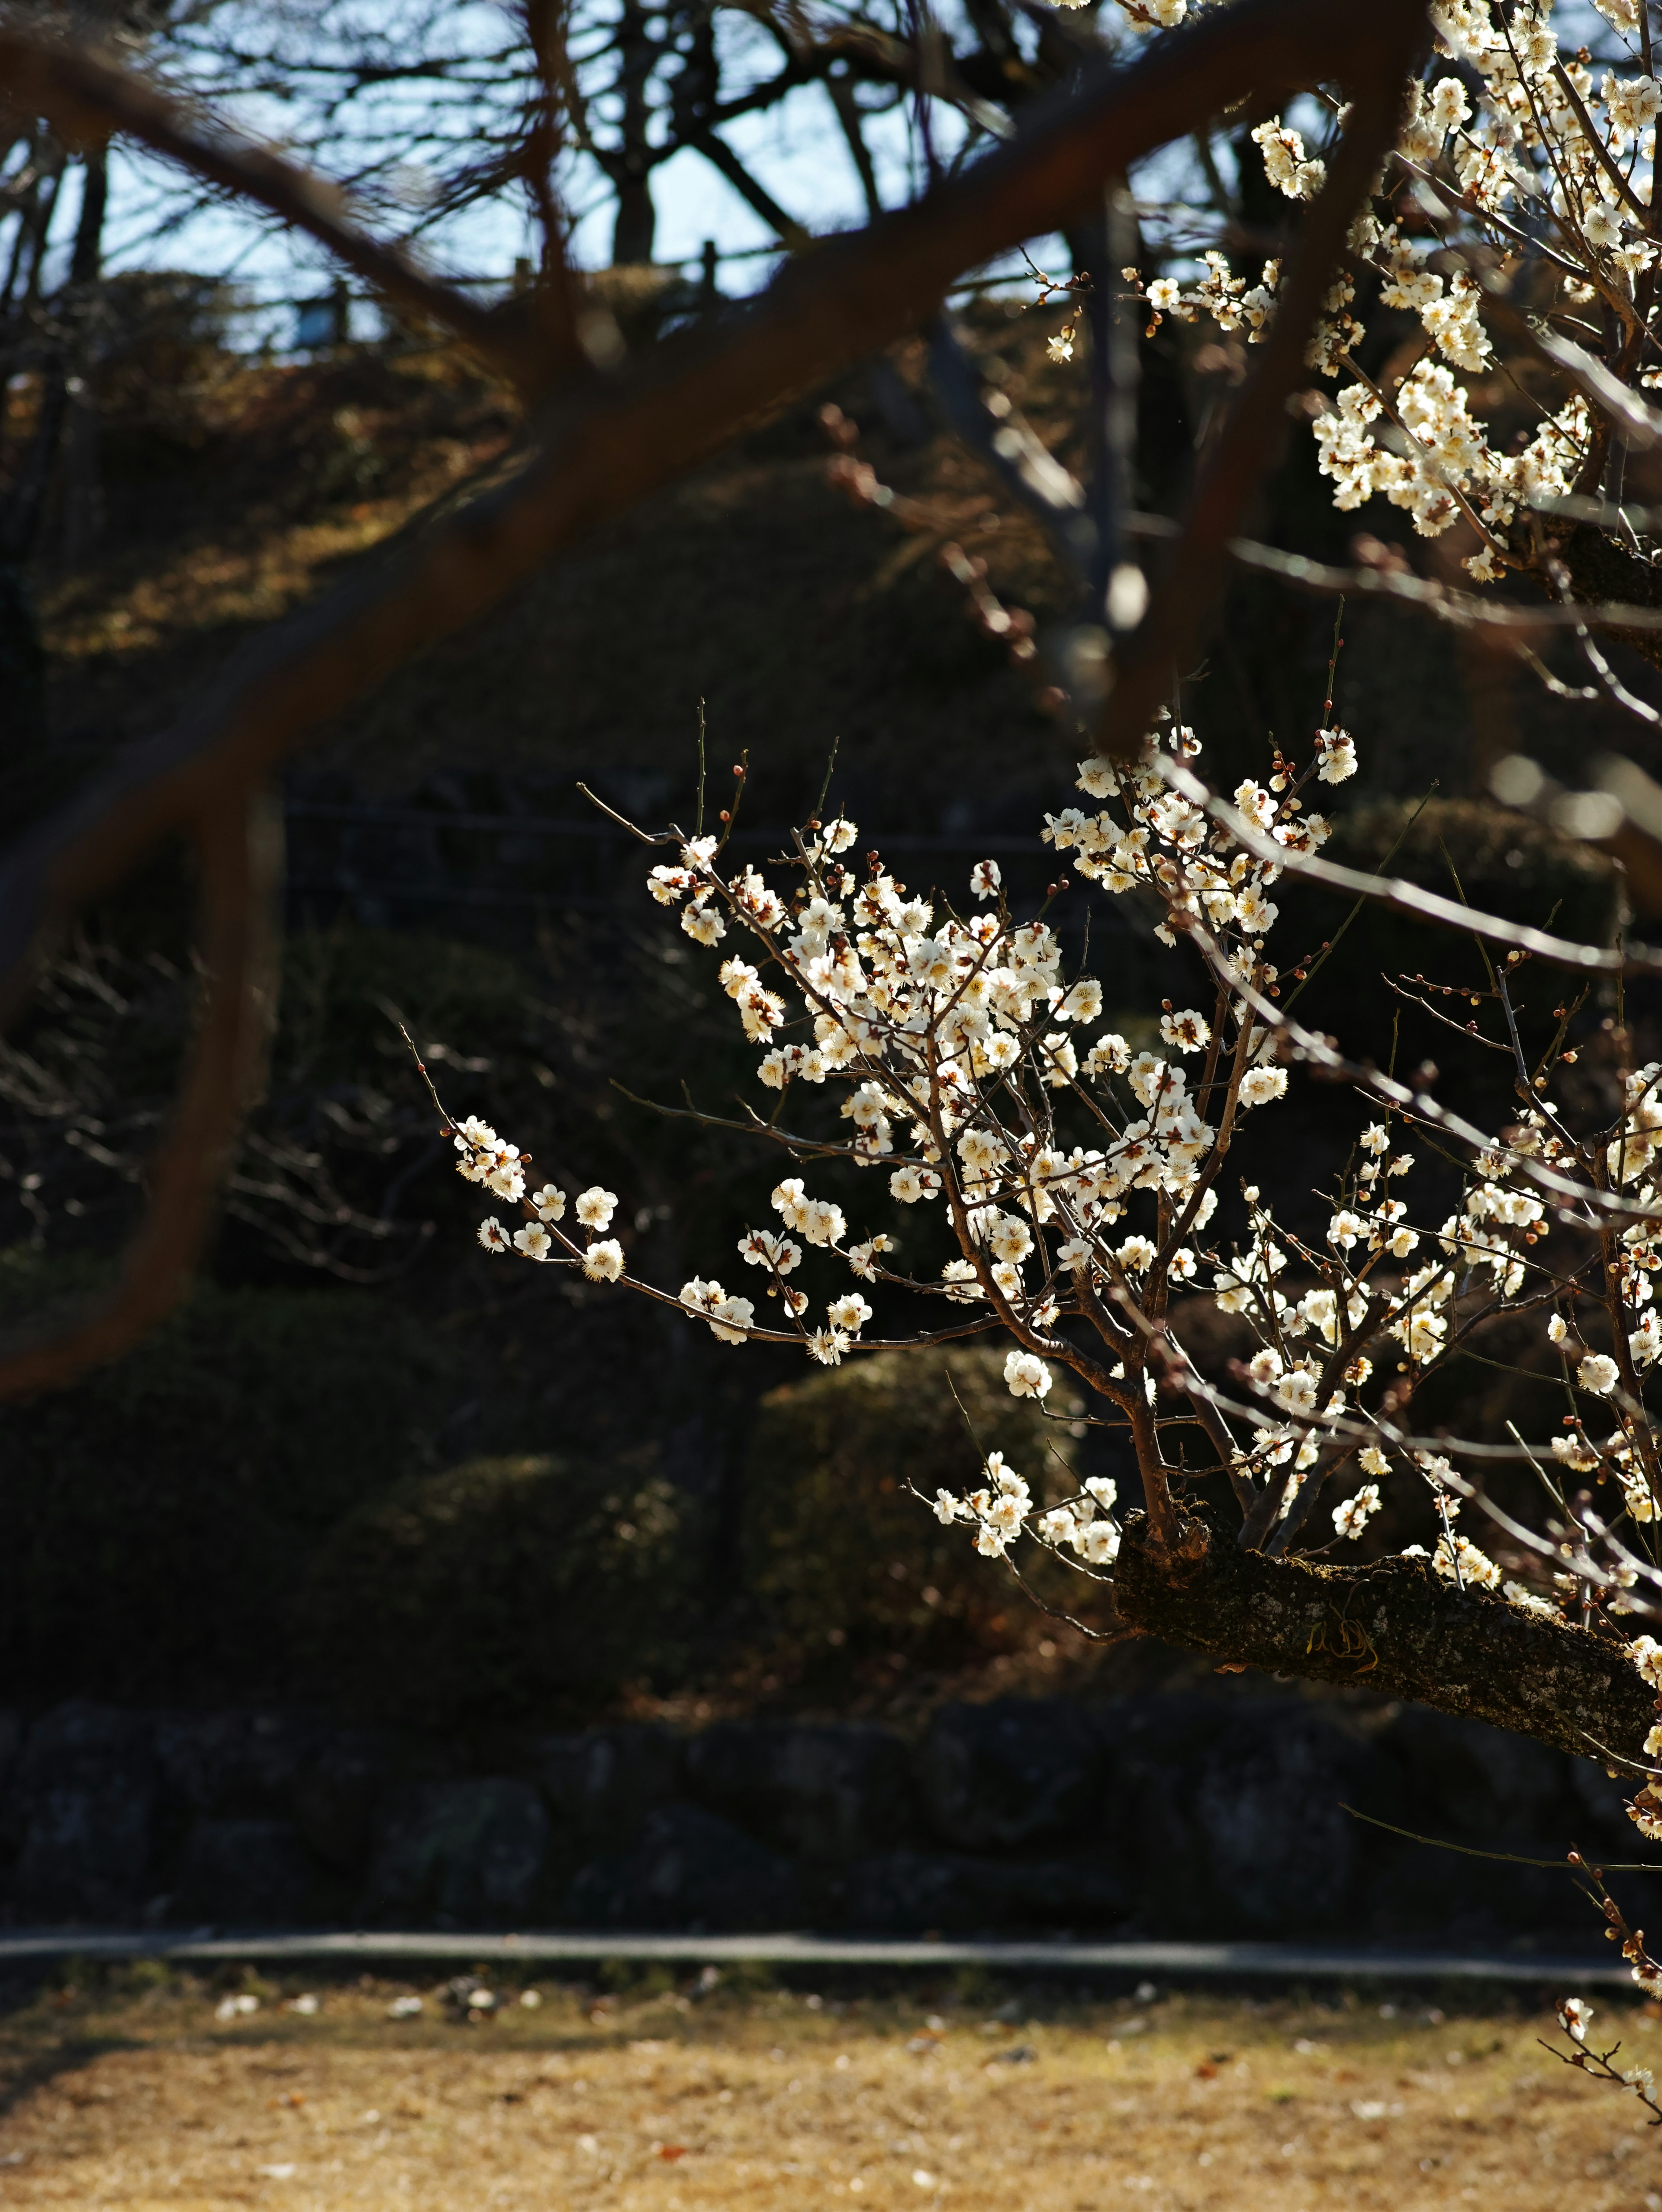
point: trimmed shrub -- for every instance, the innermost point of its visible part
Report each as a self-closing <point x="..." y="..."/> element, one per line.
<point x="837" y="1547"/>
<point x="516" y="1589"/>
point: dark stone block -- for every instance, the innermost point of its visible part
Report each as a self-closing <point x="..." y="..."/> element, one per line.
<point x="235" y="1763"/>
<point x="911" y="1892"/>
<point x="1158" y="1748"/>
<point x="819" y="1792"/>
<point x="84" y="1806"/>
<point x="1271" y="1806"/>
<point x="1478" y="1780"/>
<point x="245" y="1874"/>
<point x="1012" y="1775"/>
<point x="690" y="1870"/>
<point x="600" y="1784"/>
<point x="346" y="1780"/>
<point x="1229" y="1812"/>
<point x="1461" y="1781"/>
<point x="464" y="1852"/>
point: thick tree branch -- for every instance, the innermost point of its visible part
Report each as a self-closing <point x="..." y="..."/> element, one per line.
<point x="1394" y="1626"/>
<point x="238" y="838"/>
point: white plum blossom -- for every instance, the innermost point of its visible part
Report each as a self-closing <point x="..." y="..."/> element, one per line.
<point x="1351" y="1518"/>
<point x="603" y="1262"/>
<point x="1189" y="1031"/>
<point x="762" y="1249"/>
<point x="1026" y="1377"/>
<point x="1285" y="161"/>
<point x="596" y="1207"/>
<point x="1338" y="753"/>
<point x="729" y="1318"/>
<point x="1259" y="1085"/>
<point x="910" y="1184"/>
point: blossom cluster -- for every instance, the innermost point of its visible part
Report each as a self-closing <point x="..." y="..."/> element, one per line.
<point x="1053" y="1173"/>
<point x="1504" y="135"/>
<point x="1004" y="1509"/>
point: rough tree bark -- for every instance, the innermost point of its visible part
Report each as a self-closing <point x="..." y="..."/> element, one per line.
<point x="1602" y="568"/>
<point x="1394" y="1627"/>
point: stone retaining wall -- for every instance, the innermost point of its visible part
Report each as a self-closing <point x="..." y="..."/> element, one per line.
<point x="1178" y="1814"/>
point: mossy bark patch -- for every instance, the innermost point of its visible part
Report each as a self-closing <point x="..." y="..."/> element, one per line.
<point x="1394" y="1626"/>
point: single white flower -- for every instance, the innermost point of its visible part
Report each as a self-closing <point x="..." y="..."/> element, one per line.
<point x="1081" y="1002"/>
<point x="1009" y="1238"/>
<point x="604" y="1263"/>
<point x="1575" y="2015"/>
<point x="862" y="1258"/>
<point x="1189" y="1031"/>
<point x="1098" y="1544"/>
<point x="1598" y="1373"/>
<point x="1027" y="1376"/>
<point x="702" y="924"/>
<point x="596" y="1207"/>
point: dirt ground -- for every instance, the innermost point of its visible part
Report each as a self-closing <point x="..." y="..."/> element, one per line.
<point x="142" y="2090"/>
